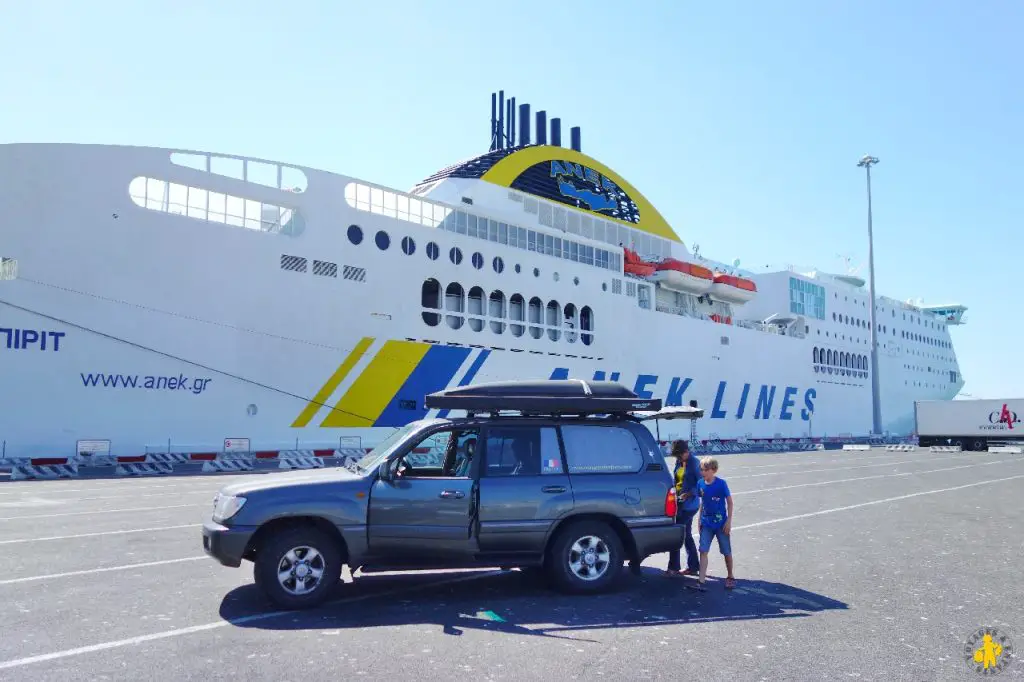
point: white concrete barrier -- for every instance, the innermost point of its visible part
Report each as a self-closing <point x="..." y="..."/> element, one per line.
<point x="945" y="448"/>
<point x="856" y="446"/>
<point x="1007" y="449"/>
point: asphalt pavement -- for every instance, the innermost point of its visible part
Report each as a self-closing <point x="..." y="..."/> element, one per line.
<point x="850" y="565"/>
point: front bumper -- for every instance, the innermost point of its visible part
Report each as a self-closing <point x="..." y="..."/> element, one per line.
<point x="226" y="544"/>
<point x="657" y="539"/>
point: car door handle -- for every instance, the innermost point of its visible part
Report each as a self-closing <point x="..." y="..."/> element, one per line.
<point x="449" y="494"/>
<point x="553" y="489"/>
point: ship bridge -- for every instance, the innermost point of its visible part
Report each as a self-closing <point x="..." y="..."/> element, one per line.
<point x="952" y="314"/>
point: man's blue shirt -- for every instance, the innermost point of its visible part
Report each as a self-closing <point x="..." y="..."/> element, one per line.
<point x="686" y="482"/>
<point x="713" y="510"/>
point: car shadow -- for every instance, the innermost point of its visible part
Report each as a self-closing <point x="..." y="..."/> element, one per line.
<point x="519" y="603"/>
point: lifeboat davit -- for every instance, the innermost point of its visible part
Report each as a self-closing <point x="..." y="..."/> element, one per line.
<point x="633" y="265"/>
<point x="683" y="276"/>
<point x="732" y="289"/>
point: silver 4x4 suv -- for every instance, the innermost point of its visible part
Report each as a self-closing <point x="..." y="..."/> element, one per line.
<point x="556" y="475"/>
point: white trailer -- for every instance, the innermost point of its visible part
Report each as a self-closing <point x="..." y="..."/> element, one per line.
<point x="971" y="424"/>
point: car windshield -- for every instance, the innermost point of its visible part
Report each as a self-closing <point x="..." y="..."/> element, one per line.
<point x="374" y="457"/>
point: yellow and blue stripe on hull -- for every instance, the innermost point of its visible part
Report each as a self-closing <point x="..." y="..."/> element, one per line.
<point x="389" y="391"/>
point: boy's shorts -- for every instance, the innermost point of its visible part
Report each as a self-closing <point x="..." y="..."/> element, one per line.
<point x="708" y="534"/>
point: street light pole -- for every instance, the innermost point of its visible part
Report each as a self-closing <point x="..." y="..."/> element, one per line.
<point x="876" y="407"/>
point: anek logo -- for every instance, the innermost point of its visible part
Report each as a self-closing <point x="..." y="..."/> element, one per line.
<point x="988" y="651"/>
<point x="1004" y="416"/>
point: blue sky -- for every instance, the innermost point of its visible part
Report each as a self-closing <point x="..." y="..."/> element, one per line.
<point x="741" y="121"/>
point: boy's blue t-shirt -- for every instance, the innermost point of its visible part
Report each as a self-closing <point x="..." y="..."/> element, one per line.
<point x="713" y="510"/>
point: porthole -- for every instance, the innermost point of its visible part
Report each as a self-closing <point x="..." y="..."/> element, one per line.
<point x="576" y="281"/>
<point x="433" y="251"/>
<point x="536" y="272"/>
<point x="518" y="268"/>
<point x="408" y="246"/>
<point x="455" y="254"/>
<point x="604" y="286"/>
<point x="355" y="234"/>
<point x="555" y="276"/>
<point x="498" y="264"/>
<point x="382" y="240"/>
<point x="478" y="260"/>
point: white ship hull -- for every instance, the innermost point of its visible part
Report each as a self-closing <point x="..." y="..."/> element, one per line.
<point x="158" y="330"/>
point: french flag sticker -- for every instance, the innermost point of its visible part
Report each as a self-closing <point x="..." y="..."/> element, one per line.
<point x="553" y="464"/>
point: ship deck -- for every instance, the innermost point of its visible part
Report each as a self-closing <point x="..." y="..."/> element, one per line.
<point x="898" y="556"/>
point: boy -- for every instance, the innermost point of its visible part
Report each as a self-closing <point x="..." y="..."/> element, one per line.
<point x="715" y="519"/>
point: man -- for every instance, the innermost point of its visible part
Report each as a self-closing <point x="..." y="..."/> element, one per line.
<point x="687" y="473"/>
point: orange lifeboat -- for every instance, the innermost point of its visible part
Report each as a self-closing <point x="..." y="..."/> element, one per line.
<point x="633" y="265"/>
<point x="682" y="276"/>
<point x="732" y="289"/>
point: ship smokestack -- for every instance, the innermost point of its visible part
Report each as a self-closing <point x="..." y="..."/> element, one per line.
<point x="574" y="138"/>
<point x="524" y="124"/>
<point x="556" y="132"/>
<point x="512" y="122"/>
<point x="508" y="122"/>
<point x="494" y="121"/>
<point x="542" y="127"/>
<point x="501" y="119"/>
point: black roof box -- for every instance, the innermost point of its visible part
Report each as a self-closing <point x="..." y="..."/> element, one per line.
<point x="555" y="396"/>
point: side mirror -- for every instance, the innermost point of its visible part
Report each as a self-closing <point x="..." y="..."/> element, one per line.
<point x="384" y="471"/>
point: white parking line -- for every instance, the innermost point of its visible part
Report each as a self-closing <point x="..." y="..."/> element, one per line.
<point x="99" y="533"/>
<point x="127" y="484"/>
<point x="90" y="571"/>
<point x="872" y="502"/>
<point x="142" y="639"/>
<point x="868" y="478"/>
<point x="859" y="466"/>
<point x="99" y="511"/>
<point x="874" y="457"/>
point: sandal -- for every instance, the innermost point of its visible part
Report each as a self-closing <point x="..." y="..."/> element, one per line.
<point x="700" y="587"/>
<point x="730" y="583"/>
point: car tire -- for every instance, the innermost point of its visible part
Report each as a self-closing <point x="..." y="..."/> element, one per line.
<point x="568" y="564"/>
<point x="300" y="556"/>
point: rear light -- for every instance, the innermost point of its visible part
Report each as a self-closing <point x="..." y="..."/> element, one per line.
<point x="670" y="503"/>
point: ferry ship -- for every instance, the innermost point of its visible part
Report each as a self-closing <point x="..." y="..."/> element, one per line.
<point x="164" y="299"/>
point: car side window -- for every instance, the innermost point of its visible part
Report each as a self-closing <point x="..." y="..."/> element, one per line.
<point x="523" y="451"/>
<point x="601" y="450"/>
<point x="448" y="453"/>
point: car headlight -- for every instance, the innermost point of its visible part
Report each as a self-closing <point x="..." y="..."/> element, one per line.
<point x="226" y="506"/>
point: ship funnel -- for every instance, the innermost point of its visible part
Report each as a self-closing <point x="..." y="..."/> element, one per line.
<point x="512" y="122"/>
<point x="524" y="124"/>
<point x="511" y="126"/>
<point x="501" y="119"/>
<point x="494" y="121"/>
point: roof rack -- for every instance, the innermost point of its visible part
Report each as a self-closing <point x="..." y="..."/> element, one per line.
<point x="563" y="397"/>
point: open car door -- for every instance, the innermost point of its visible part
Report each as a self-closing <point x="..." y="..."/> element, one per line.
<point x="668" y="413"/>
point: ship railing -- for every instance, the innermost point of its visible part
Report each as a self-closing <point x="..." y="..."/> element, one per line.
<point x="8" y="269"/>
